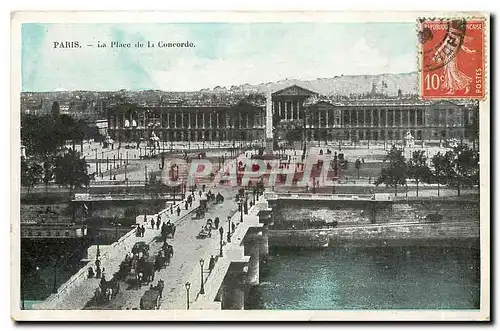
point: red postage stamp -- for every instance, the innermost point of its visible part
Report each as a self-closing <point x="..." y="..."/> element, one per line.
<point x="452" y="58"/>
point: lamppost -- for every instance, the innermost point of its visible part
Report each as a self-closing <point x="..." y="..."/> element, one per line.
<point x="221" y="231"/>
<point x="240" y="207"/>
<point x="229" y="229"/>
<point x="245" y="205"/>
<point x="188" y="285"/>
<point x="202" y="289"/>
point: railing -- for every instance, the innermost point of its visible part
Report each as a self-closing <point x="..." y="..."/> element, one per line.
<point x="131" y="196"/>
<point x="327" y="196"/>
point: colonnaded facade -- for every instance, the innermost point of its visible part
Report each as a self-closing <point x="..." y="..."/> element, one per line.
<point x="353" y="120"/>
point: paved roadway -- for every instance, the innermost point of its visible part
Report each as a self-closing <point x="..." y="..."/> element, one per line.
<point x="82" y="293"/>
<point x="188" y="250"/>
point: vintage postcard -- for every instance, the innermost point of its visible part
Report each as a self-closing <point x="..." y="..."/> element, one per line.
<point x="250" y="166"/>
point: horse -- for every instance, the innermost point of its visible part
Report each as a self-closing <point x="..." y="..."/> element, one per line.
<point x="112" y="289"/>
<point x="168" y="229"/>
<point x="168" y="249"/>
<point x="160" y="260"/>
<point x="147" y="271"/>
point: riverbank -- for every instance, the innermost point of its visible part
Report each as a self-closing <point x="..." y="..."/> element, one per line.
<point x="450" y="234"/>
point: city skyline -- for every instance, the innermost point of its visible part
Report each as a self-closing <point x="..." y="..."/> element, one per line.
<point x="224" y="54"/>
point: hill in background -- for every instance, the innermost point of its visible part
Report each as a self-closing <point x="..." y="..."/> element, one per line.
<point x="387" y="84"/>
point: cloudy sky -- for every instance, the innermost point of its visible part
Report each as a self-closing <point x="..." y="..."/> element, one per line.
<point x="224" y="54"/>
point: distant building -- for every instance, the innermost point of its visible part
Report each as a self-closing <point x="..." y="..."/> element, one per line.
<point x="245" y="119"/>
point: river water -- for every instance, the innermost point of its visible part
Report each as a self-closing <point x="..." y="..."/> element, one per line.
<point x="337" y="278"/>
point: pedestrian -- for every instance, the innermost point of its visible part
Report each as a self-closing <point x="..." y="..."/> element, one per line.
<point x="171" y="209"/>
<point x="178" y="211"/>
<point x="158" y="222"/>
<point x="216" y="222"/>
<point x="152" y="223"/>
<point x="186" y="205"/>
<point x="211" y="263"/>
<point x="143" y="230"/>
<point x="200" y="193"/>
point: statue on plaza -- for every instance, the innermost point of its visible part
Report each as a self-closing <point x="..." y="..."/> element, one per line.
<point x="154" y="140"/>
<point x="409" y="140"/>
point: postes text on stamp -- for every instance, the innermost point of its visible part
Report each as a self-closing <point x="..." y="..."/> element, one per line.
<point x="452" y="58"/>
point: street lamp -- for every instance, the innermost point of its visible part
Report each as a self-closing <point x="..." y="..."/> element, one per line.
<point x="188" y="285"/>
<point x="240" y="207"/>
<point x="229" y="229"/>
<point x="221" y="231"/>
<point x="245" y="205"/>
<point x="202" y="289"/>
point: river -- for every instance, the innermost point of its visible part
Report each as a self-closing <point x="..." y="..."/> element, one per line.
<point x="338" y="278"/>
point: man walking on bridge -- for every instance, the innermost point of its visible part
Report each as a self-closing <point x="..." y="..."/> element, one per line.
<point x="158" y="222"/>
<point x="152" y="223"/>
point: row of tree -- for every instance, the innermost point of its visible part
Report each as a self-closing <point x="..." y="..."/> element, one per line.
<point x="457" y="168"/>
<point x="44" y="138"/>
<point x="43" y="135"/>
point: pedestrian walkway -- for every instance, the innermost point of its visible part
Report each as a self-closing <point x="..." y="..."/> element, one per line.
<point x="78" y="290"/>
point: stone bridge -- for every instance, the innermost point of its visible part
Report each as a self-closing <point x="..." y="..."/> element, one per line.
<point x="225" y="286"/>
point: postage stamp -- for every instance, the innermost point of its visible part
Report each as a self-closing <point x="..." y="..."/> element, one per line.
<point x="452" y="61"/>
<point x="207" y="166"/>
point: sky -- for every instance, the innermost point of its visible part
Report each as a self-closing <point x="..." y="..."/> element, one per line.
<point x="224" y="54"/>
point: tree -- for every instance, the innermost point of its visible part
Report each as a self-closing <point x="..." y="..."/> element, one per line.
<point x="31" y="173"/>
<point x="440" y="166"/>
<point x="42" y="135"/>
<point x="418" y="168"/>
<point x="396" y="172"/>
<point x="48" y="172"/>
<point x="357" y="165"/>
<point x="71" y="170"/>
<point x="464" y="167"/>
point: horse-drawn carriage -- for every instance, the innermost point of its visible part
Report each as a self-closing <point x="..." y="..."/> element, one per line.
<point x="106" y="291"/>
<point x="199" y="213"/>
<point x="164" y="256"/>
<point x="151" y="299"/>
<point x="136" y="269"/>
<point x="143" y="273"/>
<point x="167" y="230"/>
<point x="219" y="198"/>
<point x="206" y="231"/>
<point x="140" y="247"/>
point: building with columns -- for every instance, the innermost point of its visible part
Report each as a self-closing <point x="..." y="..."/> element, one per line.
<point x="321" y="119"/>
